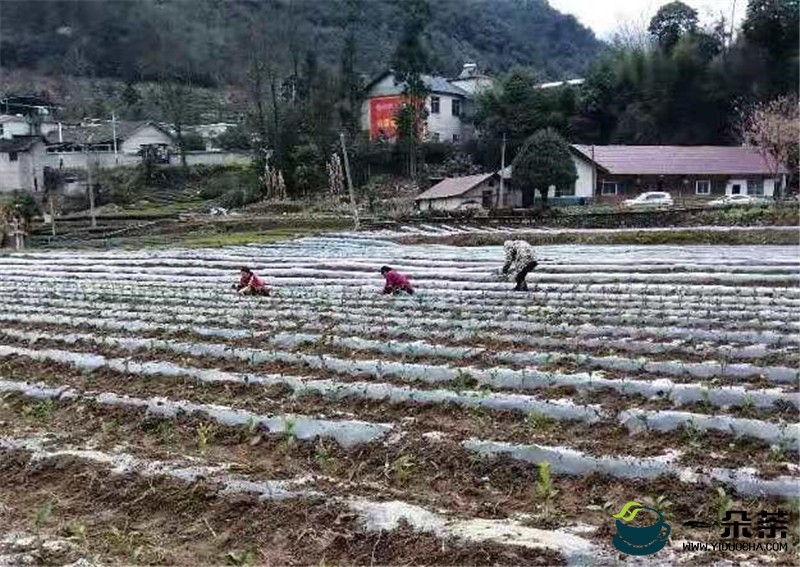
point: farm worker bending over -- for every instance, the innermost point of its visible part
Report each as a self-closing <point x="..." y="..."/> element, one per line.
<point x="520" y="259"/>
<point x="250" y="283"/>
<point x="395" y="282"/>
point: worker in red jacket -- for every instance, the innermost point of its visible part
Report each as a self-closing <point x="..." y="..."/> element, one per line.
<point x="395" y="282"/>
<point x="250" y="283"/>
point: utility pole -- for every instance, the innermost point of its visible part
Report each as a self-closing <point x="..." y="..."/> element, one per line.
<point x="19" y="234"/>
<point x="114" y="136"/>
<point x="502" y="171"/>
<point x="89" y="181"/>
<point x="91" y="191"/>
<point x="356" y="223"/>
<point x="52" y="213"/>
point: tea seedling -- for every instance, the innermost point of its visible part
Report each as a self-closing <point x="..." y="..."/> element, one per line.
<point x="724" y="502"/>
<point x="44" y="513"/>
<point x="539" y="421"/>
<point x="544" y="486"/>
<point x="40" y="411"/>
<point x="402" y="467"/>
<point x="205" y="433"/>
<point x="241" y="559"/>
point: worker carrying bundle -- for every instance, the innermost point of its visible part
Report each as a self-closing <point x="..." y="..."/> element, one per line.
<point x="250" y="283"/>
<point x="396" y="283"/>
<point x="520" y="259"/>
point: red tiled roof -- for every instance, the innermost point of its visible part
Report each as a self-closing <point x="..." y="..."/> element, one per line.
<point x="679" y="160"/>
<point x="453" y="186"/>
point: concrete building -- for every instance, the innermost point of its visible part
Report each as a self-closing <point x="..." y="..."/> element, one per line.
<point x="472" y="80"/>
<point x="107" y="141"/>
<point x="461" y="193"/>
<point x="449" y="105"/>
<point x="22" y="161"/>
<point x="618" y="172"/>
<point x="614" y="173"/>
<point x="15" y="125"/>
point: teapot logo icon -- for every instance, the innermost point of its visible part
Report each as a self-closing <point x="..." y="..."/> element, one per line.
<point x="640" y="540"/>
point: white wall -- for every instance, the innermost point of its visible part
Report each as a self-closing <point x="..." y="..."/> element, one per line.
<point x="444" y="123"/>
<point x="769" y="186"/>
<point x="452" y="203"/>
<point x="142" y="137"/>
<point x="9" y="173"/>
<point x="20" y="174"/>
<point x="77" y="160"/>
<point x="14" y="126"/>
<point x="584" y="185"/>
<point x="213" y="158"/>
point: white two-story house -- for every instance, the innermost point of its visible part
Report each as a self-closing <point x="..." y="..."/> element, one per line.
<point x="448" y="105"/>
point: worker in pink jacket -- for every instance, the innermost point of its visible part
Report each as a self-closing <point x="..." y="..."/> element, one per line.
<point x="250" y="283"/>
<point x="395" y="282"/>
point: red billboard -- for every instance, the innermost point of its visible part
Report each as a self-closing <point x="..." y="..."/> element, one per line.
<point x="382" y="111"/>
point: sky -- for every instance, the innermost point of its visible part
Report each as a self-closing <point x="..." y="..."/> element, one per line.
<point x="604" y="16"/>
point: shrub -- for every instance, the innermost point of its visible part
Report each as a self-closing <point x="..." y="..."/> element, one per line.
<point x="19" y="203"/>
<point x="193" y="142"/>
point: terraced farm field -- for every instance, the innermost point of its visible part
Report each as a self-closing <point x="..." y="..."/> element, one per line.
<point x="150" y="415"/>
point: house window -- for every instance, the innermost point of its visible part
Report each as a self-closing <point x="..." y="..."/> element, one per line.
<point x="435" y="136"/>
<point x="456" y="138"/>
<point x="565" y="191"/>
<point x="2" y="130"/>
<point x="456" y="107"/>
<point x="609" y="187"/>
<point x="755" y="186"/>
<point x="12" y="156"/>
<point x="435" y="104"/>
<point x="702" y="187"/>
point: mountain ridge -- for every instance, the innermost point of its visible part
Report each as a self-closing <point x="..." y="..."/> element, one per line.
<point x="211" y="41"/>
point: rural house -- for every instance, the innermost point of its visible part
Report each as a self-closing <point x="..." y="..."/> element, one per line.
<point x="22" y="160"/>
<point x="614" y="173"/>
<point x="461" y="193"/>
<point x="619" y="172"/>
<point x="110" y="143"/>
<point x="15" y="125"/>
<point x="448" y="105"/>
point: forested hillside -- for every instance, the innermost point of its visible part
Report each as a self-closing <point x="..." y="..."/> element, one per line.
<point x="209" y="41"/>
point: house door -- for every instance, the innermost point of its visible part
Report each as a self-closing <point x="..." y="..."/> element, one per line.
<point x="736" y="189"/>
<point x="487" y="198"/>
<point x="528" y="198"/>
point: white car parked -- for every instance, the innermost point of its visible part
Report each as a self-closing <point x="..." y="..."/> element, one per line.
<point x="738" y="200"/>
<point x="650" y="199"/>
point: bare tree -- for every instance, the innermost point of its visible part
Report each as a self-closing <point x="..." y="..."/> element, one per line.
<point x="774" y="129"/>
<point x="175" y="99"/>
<point x="632" y="34"/>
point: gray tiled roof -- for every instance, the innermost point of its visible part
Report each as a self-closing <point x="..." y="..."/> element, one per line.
<point x="434" y="83"/>
<point x="18" y="144"/>
<point x="453" y="186"/>
<point x="97" y="133"/>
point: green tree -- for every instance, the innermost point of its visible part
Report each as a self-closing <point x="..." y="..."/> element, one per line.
<point x="236" y="138"/>
<point x="410" y="62"/>
<point x="516" y="108"/>
<point x="545" y="160"/>
<point x="20" y="204"/>
<point x="771" y="25"/>
<point x="351" y="91"/>
<point x="672" y="21"/>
